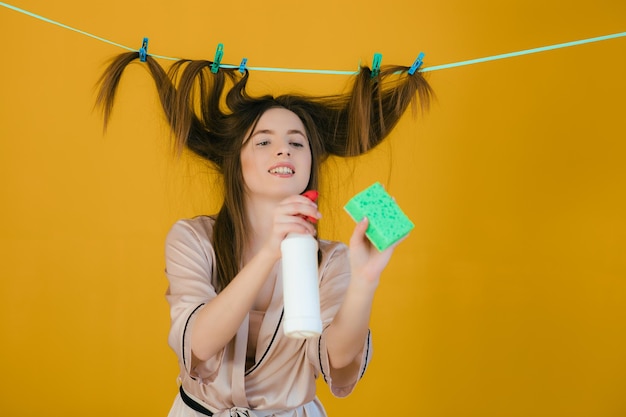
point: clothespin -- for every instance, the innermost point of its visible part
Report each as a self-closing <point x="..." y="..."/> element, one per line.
<point x="242" y="66"/>
<point x="417" y="64"/>
<point x="219" y="53"/>
<point x="378" y="58"/>
<point x="143" y="52"/>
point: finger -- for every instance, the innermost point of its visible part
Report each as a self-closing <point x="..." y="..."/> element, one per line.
<point x="310" y="213"/>
<point x="299" y="199"/>
<point x="294" y="224"/>
<point x="358" y="235"/>
<point x="303" y="207"/>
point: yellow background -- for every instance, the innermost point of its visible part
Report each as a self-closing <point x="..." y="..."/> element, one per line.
<point x="506" y="300"/>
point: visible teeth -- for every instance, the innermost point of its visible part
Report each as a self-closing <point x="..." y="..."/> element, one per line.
<point x="281" y="170"/>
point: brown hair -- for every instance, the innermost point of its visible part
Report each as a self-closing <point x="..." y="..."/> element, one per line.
<point x="210" y="114"/>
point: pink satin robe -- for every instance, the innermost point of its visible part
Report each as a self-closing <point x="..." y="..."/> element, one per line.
<point x="282" y="382"/>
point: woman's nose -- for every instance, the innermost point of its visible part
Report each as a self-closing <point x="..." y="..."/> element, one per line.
<point x="283" y="149"/>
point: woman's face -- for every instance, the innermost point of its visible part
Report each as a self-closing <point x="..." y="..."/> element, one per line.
<point x="276" y="159"/>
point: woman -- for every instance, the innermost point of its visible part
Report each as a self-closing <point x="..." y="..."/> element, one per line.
<point x="225" y="289"/>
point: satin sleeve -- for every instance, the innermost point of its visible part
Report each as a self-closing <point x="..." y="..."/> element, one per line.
<point x="334" y="281"/>
<point x="189" y="267"/>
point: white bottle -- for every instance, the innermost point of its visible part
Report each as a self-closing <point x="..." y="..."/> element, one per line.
<point x="300" y="286"/>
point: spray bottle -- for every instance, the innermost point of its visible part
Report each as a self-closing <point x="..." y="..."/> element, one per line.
<point x="300" y="283"/>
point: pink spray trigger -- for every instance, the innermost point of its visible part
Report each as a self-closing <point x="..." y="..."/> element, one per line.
<point x="311" y="195"/>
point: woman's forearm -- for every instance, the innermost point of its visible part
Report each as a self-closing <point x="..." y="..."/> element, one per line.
<point x="218" y="321"/>
<point x="347" y="332"/>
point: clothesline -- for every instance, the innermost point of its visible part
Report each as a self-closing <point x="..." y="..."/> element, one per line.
<point x="337" y="72"/>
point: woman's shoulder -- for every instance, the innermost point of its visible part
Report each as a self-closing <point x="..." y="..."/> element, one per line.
<point x="198" y="222"/>
<point x="200" y="227"/>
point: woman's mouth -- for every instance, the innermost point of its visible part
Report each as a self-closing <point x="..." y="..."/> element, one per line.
<point x="282" y="170"/>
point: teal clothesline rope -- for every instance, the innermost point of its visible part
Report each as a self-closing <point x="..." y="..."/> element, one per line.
<point x="338" y="72"/>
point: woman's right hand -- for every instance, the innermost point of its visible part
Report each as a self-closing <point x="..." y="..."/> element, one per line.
<point x="289" y="216"/>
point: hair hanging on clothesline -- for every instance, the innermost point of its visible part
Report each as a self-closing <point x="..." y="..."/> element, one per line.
<point x="192" y="97"/>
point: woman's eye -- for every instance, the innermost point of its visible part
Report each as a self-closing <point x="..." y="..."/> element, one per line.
<point x="297" y="144"/>
<point x="263" y="143"/>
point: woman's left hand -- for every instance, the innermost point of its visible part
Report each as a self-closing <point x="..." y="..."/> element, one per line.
<point x="365" y="260"/>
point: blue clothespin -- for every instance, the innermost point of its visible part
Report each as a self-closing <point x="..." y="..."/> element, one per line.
<point x="242" y="66"/>
<point x="219" y="53"/>
<point x="417" y="64"/>
<point x="378" y="58"/>
<point x="143" y="52"/>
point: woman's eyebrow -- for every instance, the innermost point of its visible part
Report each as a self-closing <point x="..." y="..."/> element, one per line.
<point x="263" y="131"/>
<point x="296" y="131"/>
<point x="271" y="132"/>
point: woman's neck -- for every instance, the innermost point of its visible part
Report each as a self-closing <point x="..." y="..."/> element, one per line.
<point x="259" y="215"/>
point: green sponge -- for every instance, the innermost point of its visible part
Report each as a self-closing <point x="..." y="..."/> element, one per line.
<point x="387" y="222"/>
